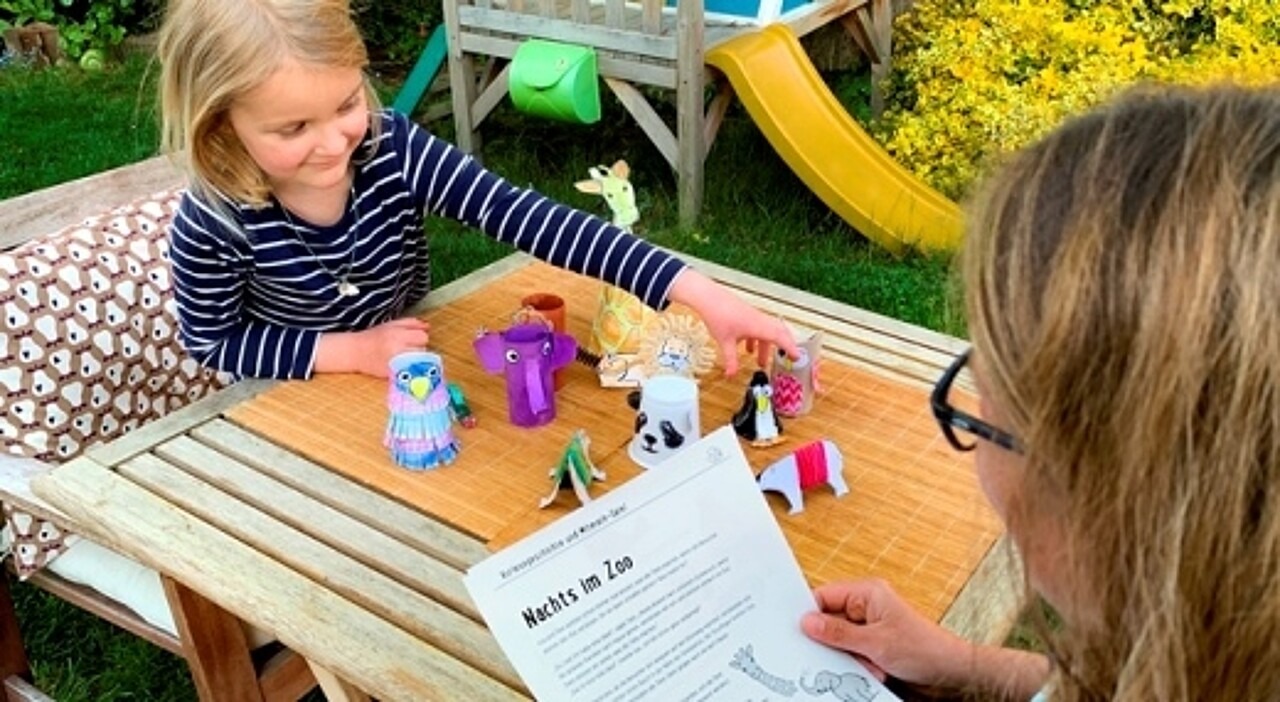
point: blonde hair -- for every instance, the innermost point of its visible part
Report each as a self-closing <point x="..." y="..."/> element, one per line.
<point x="1123" y="292"/>
<point x="213" y="52"/>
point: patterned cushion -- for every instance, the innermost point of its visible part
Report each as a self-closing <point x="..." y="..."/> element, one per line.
<point x="88" y="343"/>
<point x="33" y="540"/>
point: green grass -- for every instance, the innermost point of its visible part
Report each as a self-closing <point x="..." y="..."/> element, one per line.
<point x="62" y="124"/>
<point x="77" y="657"/>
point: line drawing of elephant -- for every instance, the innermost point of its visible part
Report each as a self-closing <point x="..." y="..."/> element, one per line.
<point x="846" y="687"/>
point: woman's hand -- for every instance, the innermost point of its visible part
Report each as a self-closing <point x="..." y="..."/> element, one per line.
<point x="868" y="619"/>
<point x="370" y="351"/>
<point x="729" y="320"/>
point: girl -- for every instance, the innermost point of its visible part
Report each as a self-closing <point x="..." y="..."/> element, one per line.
<point x="1121" y="291"/>
<point x="301" y="238"/>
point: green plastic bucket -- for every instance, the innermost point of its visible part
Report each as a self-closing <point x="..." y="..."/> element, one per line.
<point x="557" y="81"/>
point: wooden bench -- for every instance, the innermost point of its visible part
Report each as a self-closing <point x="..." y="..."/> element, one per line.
<point x="210" y="641"/>
<point x="45" y="211"/>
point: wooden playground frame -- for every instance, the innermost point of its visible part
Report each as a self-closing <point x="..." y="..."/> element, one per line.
<point x="638" y="43"/>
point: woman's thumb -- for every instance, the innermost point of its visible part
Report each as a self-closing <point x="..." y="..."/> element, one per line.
<point x="836" y="632"/>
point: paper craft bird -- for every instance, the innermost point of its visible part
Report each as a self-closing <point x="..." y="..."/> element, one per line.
<point x="420" y="427"/>
<point x="757" y="420"/>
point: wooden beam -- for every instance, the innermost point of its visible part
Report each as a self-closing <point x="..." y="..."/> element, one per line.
<point x="491" y="96"/>
<point x="601" y="37"/>
<point x="649" y="120"/>
<point x="615" y="14"/>
<point x="858" y="26"/>
<point x="16" y="689"/>
<point x="462" y="72"/>
<point x="882" y="36"/>
<point x="336" y="689"/>
<point x="690" y="131"/>
<point x="13" y="658"/>
<point x="51" y="209"/>
<point x="716" y="111"/>
<point x="817" y="15"/>
<point x="214" y="645"/>
<point x="651" y="16"/>
<point x="285" y="677"/>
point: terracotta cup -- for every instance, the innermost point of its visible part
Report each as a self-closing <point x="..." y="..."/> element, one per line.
<point x="550" y="307"/>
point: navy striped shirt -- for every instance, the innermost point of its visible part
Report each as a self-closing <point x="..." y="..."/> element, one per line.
<point x="254" y="294"/>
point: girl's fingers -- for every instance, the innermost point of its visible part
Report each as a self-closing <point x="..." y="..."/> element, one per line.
<point x="729" y="350"/>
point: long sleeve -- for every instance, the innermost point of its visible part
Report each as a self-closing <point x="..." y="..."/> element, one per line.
<point x="452" y="184"/>
<point x="211" y="266"/>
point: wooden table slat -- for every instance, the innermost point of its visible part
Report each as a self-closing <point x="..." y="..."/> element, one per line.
<point x="916" y="336"/>
<point x="884" y="354"/>
<point x="312" y="519"/>
<point x="51" y="209"/>
<point x="177" y="422"/>
<point x="373" y="654"/>
<point x="442" y="625"/>
<point x="370" y="507"/>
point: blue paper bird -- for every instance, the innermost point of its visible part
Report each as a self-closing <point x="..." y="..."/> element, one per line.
<point x="420" y="427"/>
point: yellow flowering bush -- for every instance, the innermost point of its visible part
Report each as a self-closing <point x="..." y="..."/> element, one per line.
<point x="977" y="78"/>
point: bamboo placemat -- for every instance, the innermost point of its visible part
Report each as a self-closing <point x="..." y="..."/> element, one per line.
<point x="914" y="514"/>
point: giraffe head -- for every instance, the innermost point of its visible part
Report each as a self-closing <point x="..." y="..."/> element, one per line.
<point x="613" y="185"/>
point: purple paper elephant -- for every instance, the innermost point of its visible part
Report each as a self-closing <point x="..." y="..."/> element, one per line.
<point x="527" y="354"/>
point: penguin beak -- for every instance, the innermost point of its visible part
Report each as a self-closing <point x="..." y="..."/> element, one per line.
<point x="419" y="387"/>
<point x="762" y="403"/>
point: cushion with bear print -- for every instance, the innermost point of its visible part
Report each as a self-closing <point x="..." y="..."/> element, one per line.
<point x="88" y="344"/>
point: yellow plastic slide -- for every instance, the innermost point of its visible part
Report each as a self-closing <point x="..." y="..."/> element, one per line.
<point x="839" y="161"/>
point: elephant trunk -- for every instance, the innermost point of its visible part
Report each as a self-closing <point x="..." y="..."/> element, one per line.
<point x="534" y="388"/>
<point x="815" y="691"/>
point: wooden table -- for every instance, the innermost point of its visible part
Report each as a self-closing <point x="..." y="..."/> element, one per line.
<point x="277" y="502"/>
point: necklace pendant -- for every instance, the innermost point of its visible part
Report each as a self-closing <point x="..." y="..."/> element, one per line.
<point x="347" y="288"/>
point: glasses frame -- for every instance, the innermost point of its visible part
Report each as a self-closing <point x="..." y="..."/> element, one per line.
<point x="950" y="418"/>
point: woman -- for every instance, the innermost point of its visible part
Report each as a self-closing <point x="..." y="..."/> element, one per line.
<point x="1123" y="295"/>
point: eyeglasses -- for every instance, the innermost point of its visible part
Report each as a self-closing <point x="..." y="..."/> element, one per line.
<point x="951" y="418"/>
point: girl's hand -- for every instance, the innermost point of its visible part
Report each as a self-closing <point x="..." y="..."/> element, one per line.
<point x="868" y="619"/>
<point x="370" y="351"/>
<point x="729" y="320"/>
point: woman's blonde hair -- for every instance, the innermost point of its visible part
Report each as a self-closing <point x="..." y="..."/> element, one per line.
<point x="1123" y="293"/>
<point x="214" y="51"/>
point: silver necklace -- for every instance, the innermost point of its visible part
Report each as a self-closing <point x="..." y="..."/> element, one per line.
<point x="346" y="288"/>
